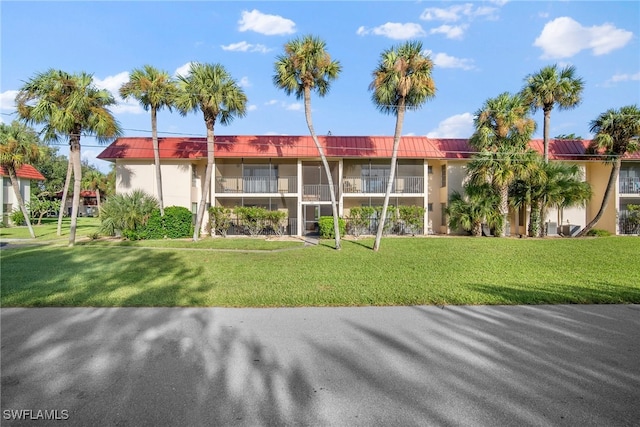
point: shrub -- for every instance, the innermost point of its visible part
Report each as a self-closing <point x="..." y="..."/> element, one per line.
<point x="220" y="219"/>
<point x="276" y="221"/>
<point x="178" y="222"/>
<point x="360" y="220"/>
<point x="252" y="217"/>
<point x="127" y="214"/>
<point x="597" y="232"/>
<point x="389" y="221"/>
<point x="411" y="219"/>
<point x="326" y="226"/>
<point x="17" y="217"/>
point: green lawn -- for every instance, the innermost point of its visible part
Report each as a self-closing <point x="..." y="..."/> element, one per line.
<point x="406" y="271"/>
<point x="49" y="227"/>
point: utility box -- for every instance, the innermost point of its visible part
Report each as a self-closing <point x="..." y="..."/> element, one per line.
<point x="552" y="228"/>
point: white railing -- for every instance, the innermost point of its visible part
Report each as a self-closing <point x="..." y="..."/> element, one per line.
<point x="630" y="185"/>
<point x="318" y="192"/>
<point x="402" y="184"/>
<point x="256" y="184"/>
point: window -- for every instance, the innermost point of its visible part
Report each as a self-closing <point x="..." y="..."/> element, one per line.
<point x="430" y="207"/>
<point x="443" y="175"/>
<point x="194" y="175"/>
<point x="443" y="214"/>
<point x="260" y="178"/>
<point x="430" y="170"/>
<point x="375" y="178"/>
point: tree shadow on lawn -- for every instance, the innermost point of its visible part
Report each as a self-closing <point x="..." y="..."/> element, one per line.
<point x="489" y="365"/>
<point x="148" y="366"/>
<point x="603" y="293"/>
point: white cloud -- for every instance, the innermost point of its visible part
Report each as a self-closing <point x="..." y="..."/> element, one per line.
<point x="265" y="24"/>
<point x="564" y="37"/>
<point x="617" y="78"/>
<point x="271" y="102"/>
<point x="252" y="107"/>
<point x="8" y="100"/>
<point x="394" y="30"/>
<point x="445" y="61"/>
<point x="112" y="84"/>
<point x="450" y="32"/>
<point x="458" y="126"/>
<point x="244" y="82"/>
<point x="459" y="12"/>
<point x="243" y="46"/>
<point x="183" y="70"/>
<point x="296" y="106"/>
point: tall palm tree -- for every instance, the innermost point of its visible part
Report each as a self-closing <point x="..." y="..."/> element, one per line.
<point x="401" y="81"/>
<point x="503" y="131"/>
<point x="18" y="147"/>
<point x="306" y="66"/>
<point x="69" y="106"/>
<point x="552" y="87"/>
<point x="617" y="133"/>
<point x="154" y="89"/>
<point x="210" y="89"/>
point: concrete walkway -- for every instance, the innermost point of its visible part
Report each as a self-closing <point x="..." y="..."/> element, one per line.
<point x="373" y="366"/>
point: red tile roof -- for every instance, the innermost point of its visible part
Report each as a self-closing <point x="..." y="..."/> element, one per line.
<point x="334" y="146"/>
<point x="25" y="171"/>
<point x="83" y="193"/>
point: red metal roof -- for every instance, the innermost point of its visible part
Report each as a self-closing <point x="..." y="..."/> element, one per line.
<point x="334" y="146"/>
<point x="25" y="171"/>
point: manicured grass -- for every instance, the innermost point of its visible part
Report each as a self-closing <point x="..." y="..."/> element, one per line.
<point x="48" y="229"/>
<point x="406" y="271"/>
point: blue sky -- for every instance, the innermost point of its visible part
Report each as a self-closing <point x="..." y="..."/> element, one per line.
<point x="479" y="49"/>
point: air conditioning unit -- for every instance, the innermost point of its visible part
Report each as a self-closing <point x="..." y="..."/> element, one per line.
<point x="552" y="228"/>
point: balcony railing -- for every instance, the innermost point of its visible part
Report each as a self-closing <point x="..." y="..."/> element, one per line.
<point x="630" y="185"/>
<point x="401" y="184"/>
<point x="256" y="184"/>
<point x="318" y="192"/>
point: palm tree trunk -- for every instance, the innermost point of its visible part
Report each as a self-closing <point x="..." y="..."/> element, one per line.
<point x="98" y="200"/>
<point x="325" y="163"/>
<point x="65" y="191"/>
<point x="207" y="179"/>
<point x="392" y="172"/>
<point x="504" y="209"/>
<point x="74" y="156"/>
<point x="534" y="221"/>
<point x="20" y="200"/>
<point x="547" y="119"/>
<point x="156" y="157"/>
<point x="615" y="170"/>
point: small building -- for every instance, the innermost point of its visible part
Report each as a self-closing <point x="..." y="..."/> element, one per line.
<point x="88" y="203"/>
<point x="8" y="202"/>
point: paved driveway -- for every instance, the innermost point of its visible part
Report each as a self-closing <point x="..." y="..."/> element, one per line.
<point x="389" y="366"/>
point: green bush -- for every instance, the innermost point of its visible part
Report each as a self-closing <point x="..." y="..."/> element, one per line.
<point x="597" y="232"/>
<point x="220" y="219"/>
<point x="276" y="221"/>
<point x="411" y="219"/>
<point x="127" y="214"/>
<point x="326" y="226"/>
<point x="253" y="218"/>
<point x="178" y="222"/>
<point x="360" y="220"/>
<point x="17" y="217"/>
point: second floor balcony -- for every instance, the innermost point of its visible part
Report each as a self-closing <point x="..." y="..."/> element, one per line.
<point x="368" y="185"/>
<point x="256" y="184"/>
<point x="629" y="185"/>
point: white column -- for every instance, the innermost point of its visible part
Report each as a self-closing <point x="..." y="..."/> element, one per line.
<point x="299" y="198"/>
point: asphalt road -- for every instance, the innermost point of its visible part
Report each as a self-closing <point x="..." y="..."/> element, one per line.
<point x="576" y="365"/>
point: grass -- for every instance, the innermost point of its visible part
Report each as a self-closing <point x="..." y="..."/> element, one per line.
<point x="406" y="271"/>
<point x="48" y="229"/>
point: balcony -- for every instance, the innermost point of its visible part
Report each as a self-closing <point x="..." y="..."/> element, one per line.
<point x="256" y="184"/>
<point x="368" y="185"/>
<point x="629" y="185"/>
<point x="318" y="192"/>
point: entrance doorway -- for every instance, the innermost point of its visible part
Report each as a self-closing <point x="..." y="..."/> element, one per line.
<point x="311" y="218"/>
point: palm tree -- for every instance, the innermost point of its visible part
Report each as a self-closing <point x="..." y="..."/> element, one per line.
<point x="69" y="106"/>
<point x="96" y="181"/>
<point x="154" y="89"/>
<point x="18" y="147"/>
<point x="551" y="87"/>
<point x="503" y="131"/>
<point x="307" y="66"/>
<point x="210" y="89"/>
<point x="476" y="206"/>
<point x="401" y="81"/>
<point x="617" y="133"/>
